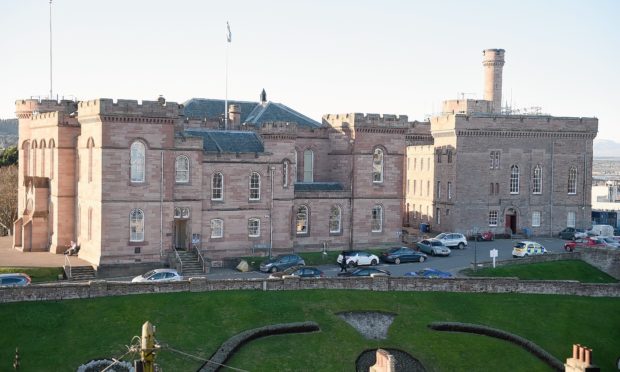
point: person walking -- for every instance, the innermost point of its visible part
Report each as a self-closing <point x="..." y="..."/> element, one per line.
<point x="343" y="262"/>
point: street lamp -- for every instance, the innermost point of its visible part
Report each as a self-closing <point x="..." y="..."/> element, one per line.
<point x="475" y="248"/>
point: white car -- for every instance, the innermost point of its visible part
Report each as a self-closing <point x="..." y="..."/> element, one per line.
<point x="610" y="241"/>
<point x="158" y="275"/>
<point x="453" y="240"/>
<point x="359" y="258"/>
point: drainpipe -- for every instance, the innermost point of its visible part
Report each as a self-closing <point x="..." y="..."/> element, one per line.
<point x="161" y="207"/>
<point x="352" y="142"/>
<point x="271" y="172"/>
<point x="551" y="193"/>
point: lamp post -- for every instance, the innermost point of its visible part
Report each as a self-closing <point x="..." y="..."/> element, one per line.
<point x="475" y="248"/>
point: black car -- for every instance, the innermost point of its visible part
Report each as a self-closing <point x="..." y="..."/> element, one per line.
<point x="366" y="271"/>
<point x="402" y="254"/>
<point x="569" y="233"/>
<point x="281" y="262"/>
<point x="301" y="272"/>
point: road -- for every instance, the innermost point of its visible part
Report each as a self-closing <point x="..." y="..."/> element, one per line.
<point x="458" y="259"/>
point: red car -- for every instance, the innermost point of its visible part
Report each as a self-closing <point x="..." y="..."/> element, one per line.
<point x="583" y="243"/>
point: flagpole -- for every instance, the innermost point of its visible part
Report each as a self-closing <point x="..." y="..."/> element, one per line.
<point x="228" y="40"/>
<point x="51" y="86"/>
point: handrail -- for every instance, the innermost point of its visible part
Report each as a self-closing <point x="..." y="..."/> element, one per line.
<point x="67" y="261"/>
<point x="180" y="262"/>
<point x="200" y="258"/>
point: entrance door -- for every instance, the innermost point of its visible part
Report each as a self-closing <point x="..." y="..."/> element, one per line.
<point x="511" y="221"/>
<point x="180" y="233"/>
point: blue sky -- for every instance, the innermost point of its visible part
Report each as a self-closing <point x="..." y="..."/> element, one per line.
<point x="318" y="57"/>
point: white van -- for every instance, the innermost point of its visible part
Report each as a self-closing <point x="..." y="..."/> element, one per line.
<point x="605" y="230"/>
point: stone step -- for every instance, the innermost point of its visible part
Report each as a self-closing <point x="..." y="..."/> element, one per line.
<point x="81" y="273"/>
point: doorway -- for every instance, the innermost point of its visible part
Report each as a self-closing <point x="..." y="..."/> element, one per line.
<point x="511" y="220"/>
<point x="180" y="234"/>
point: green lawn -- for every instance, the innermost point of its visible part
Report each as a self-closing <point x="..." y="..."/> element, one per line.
<point x="60" y="335"/>
<point x="555" y="270"/>
<point x="37" y="274"/>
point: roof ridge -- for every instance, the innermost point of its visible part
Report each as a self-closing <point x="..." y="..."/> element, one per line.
<point x="291" y="111"/>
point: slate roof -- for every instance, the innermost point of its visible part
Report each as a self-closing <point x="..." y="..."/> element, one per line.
<point x="318" y="186"/>
<point x="253" y="113"/>
<point x="228" y="141"/>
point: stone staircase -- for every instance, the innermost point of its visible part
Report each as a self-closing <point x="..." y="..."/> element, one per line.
<point x="192" y="266"/>
<point x="81" y="273"/>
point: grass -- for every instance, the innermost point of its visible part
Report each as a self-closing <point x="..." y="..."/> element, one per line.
<point x="61" y="335"/>
<point x="311" y="258"/>
<point x="37" y="274"/>
<point x="556" y="270"/>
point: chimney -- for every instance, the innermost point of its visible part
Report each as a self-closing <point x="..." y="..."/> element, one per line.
<point x="493" y="62"/>
<point x="234" y="116"/>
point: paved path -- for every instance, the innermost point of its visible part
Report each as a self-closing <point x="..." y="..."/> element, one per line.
<point x="10" y="257"/>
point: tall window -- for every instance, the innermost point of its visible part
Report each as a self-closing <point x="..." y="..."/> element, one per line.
<point x="494" y="157"/>
<point x="217" y="186"/>
<point x="335" y="216"/>
<point x="421" y="163"/>
<point x="438" y="153"/>
<point x="491" y="190"/>
<point x="415" y="163"/>
<point x="301" y="220"/>
<point x="493" y="218"/>
<point x="449" y="156"/>
<point x="136" y="225"/>
<point x="137" y="160"/>
<point x="43" y="158"/>
<point x="415" y="186"/>
<point x="438" y="216"/>
<point x="90" y="146"/>
<point x="438" y="189"/>
<point x="377" y="166"/>
<point x="376" y="222"/>
<point x="217" y="228"/>
<point x="514" y="179"/>
<point x="570" y="219"/>
<point x="181" y="168"/>
<point x="535" y="219"/>
<point x="428" y="188"/>
<point x="497" y="188"/>
<point x="90" y="223"/>
<point x="308" y="166"/>
<point x="537" y="181"/>
<point x="52" y="145"/>
<point x="285" y="173"/>
<point x="428" y="164"/>
<point x="572" y="180"/>
<point x="254" y="186"/>
<point x="34" y="158"/>
<point x="254" y="227"/>
<point x="449" y="190"/>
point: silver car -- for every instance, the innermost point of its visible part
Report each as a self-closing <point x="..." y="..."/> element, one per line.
<point x="158" y="275"/>
<point x="434" y="247"/>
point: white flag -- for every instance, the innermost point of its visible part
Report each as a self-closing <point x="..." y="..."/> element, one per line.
<point x="228" y="34"/>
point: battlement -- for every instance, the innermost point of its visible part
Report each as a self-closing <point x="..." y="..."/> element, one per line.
<point x="133" y="108"/>
<point x="366" y="120"/>
<point x="55" y="117"/>
<point x="467" y="106"/>
<point x="25" y="108"/>
<point x="278" y="127"/>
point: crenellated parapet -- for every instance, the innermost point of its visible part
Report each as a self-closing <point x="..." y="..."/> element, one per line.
<point x="25" y="108"/>
<point x="360" y="120"/>
<point x="129" y="108"/>
<point x="58" y="118"/>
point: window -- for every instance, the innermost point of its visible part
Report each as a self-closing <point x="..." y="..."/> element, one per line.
<point x="535" y="219"/>
<point x="493" y="218"/>
<point x="90" y="223"/>
<point x="301" y="220"/>
<point x="52" y="145"/>
<point x="90" y="146"/>
<point x="438" y="189"/>
<point x="514" y="179"/>
<point x="335" y="216"/>
<point x="217" y="186"/>
<point x="570" y="219"/>
<point x="421" y="163"/>
<point x="377" y="219"/>
<point x="217" y="228"/>
<point x="308" y="166"/>
<point x="449" y="190"/>
<point x="285" y="173"/>
<point x="438" y="153"/>
<point x="415" y="184"/>
<point x="136" y="225"/>
<point x="415" y="163"/>
<point x="428" y="164"/>
<point x="34" y="158"/>
<point x="572" y="180"/>
<point x="181" y="167"/>
<point x="253" y="227"/>
<point x="494" y="157"/>
<point x="254" y="186"/>
<point x="537" y="181"/>
<point x="497" y="188"/>
<point x="449" y="156"/>
<point x="438" y="216"/>
<point x="428" y="188"/>
<point x="377" y="166"/>
<point x="491" y="191"/>
<point x="137" y="160"/>
<point x="43" y="158"/>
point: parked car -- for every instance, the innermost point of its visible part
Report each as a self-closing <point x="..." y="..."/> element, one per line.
<point x="430" y="273"/>
<point x="589" y="242"/>
<point x="402" y="254"/>
<point x="298" y="271"/>
<point x="484" y="236"/>
<point x="453" y="240"/>
<point x="158" y="275"/>
<point x="571" y="233"/>
<point x="527" y="248"/>
<point x="358" y="258"/>
<point x="433" y="247"/>
<point x="281" y="262"/>
<point x="366" y="271"/>
<point x="610" y="241"/>
<point x="602" y="230"/>
<point x="14" y="280"/>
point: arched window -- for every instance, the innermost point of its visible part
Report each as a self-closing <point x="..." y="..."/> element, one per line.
<point x="335" y="216"/>
<point x="377" y="166"/>
<point x="254" y="186"/>
<point x="26" y="158"/>
<point x="537" y="181"/>
<point x="308" y="166"/>
<point x="217" y="186"/>
<point x="285" y="173"/>
<point x="514" y="179"/>
<point x="136" y="225"/>
<point x="90" y="146"/>
<point x="253" y="227"/>
<point x="181" y="168"/>
<point x="301" y="220"/>
<point x="217" y="228"/>
<point x="376" y="222"/>
<point x="137" y="160"/>
<point x="42" y="158"/>
<point x="90" y="223"/>
<point x="52" y="145"/>
<point x="34" y="158"/>
<point x="572" y="180"/>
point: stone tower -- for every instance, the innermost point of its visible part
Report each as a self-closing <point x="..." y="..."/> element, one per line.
<point x="493" y="63"/>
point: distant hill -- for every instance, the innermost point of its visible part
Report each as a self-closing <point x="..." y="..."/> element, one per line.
<point x="606" y="148"/>
<point x="9" y="132"/>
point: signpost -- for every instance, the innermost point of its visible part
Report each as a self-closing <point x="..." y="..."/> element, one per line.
<point x="494" y="256"/>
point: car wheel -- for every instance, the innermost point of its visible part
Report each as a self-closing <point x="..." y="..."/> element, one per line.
<point x="513" y="256"/>
<point x="397" y="261"/>
<point x="432" y="253"/>
<point x="421" y="258"/>
<point x="373" y="263"/>
<point x="461" y="246"/>
<point x="273" y="269"/>
<point x="351" y="264"/>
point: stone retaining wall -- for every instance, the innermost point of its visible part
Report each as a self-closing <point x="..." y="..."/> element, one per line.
<point x="92" y="289"/>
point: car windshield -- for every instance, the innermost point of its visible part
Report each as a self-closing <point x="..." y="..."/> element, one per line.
<point x="149" y="273"/>
<point x="441" y="236"/>
<point x="393" y="250"/>
<point x="520" y="245"/>
<point x="436" y="243"/>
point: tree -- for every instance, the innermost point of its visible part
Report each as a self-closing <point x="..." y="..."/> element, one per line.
<point x="8" y="197"/>
<point x="8" y="156"/>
